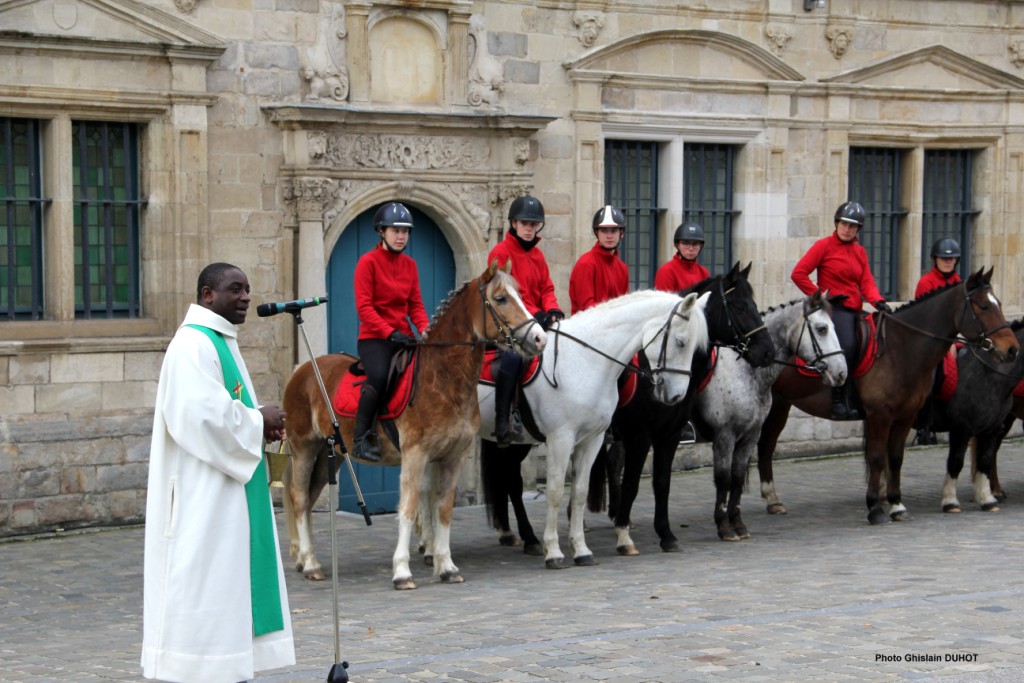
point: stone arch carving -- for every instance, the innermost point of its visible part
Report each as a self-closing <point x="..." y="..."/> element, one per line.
<point x="455" y="220"/>
<point x="617" y="56"/>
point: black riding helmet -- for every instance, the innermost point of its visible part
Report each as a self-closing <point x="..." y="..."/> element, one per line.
<point x="392" y="214"/>
<point x="527" y="208"/>
<point x="689" y="231"/>
<point x="850" y="212"/>
<point x="946" y="248"/>
<point x="608" y="217"/>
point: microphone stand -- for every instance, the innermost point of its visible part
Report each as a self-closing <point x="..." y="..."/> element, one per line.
<point x="338" y="673"/>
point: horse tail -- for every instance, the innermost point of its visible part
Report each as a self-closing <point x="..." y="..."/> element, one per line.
<point x="491" y="475"/>
<point x="597" y="498"/>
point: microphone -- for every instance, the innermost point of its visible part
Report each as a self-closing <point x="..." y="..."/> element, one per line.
<point x="264" y="310"/>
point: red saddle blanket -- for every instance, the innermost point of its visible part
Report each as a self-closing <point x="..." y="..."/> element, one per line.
<point x="627" y="390"/>
<point x="950" y="373"/>
<point x="867" y="359"/>
<point x="712" y="362"/>
<point x="346" y="396"/>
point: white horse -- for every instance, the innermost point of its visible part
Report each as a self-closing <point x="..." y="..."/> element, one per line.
<point x="573" y="398"/>
<point x="735" y="403"/>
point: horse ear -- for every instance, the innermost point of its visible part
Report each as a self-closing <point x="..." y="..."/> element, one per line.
<point x="988" y="275"/>
<point x="703" y="300"/>
<point x="689" y="300"/>
<point x="746" y="271"/>
<point x="491" y="270"/>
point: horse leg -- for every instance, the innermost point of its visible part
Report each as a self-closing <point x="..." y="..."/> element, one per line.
<point x="771" y="429"/>
<point x="443" y="500"/>
<point x="897" y="443"/>
<point x="723" y="446"/>
<point x="614" y="463"/>
<point x="635" y="454"/>
<point x="661" y="483"/>
<point x="304" y="461"/>
<point x="740" y="468"/>
<point x="985" y="447"/>
<point x="558" y="465"/>
<point x="426" y="517"/>
<point x="413" y="465"/>
<point x="958" y="439"/>
<point x="514" y="479"/>
<point x="584" y="455"/>
<point x="875" y="435"/>
<point x="993" y="475"/>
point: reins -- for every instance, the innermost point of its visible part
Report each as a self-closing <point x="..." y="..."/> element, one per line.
<point x="818" y="363"/>
<point x="742" y="343"/>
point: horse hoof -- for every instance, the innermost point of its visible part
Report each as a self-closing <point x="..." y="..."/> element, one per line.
<point x="509" y="540"/>
<point x="777" y="509"/>
<point x="452" y="577"/>
<point x="534" y="549"/>
<point x="951" y="507"/>
<point x="1000" y="496"/>
<point x="584" y="561"/>
<point x="990" y="507"/>
<point x="901" y="516"/>
<point x="743" y="534"/>
<point x="314" y="574"/>
<point x="628" y="550"/>
<point x="671" y="546"/>
<point x="554" y="563"/>
<point x="728" y="536"/>
<point x="406" y="584"/>
<point x="428" y="560"/>
<point x="878" y="516"/>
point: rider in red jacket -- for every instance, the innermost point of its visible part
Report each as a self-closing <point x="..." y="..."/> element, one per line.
<point x="843" y="268"/>
<point x="387" y="289"/>
<point x="945" y="257"/>
<point x="530" y="269"/>
<point x="600" y="274"/>
<point x="682" y="271"/>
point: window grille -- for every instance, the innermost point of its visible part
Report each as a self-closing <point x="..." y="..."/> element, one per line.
<point x="631" y="185"/>
<point x="21" y="221"/>
<point x="875" y="184"/>
<point x="708" y="200"/>
<point x="947" y="209"/>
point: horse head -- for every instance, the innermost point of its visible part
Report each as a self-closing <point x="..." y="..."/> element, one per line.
<point x="818" y="345"/>
<point x="678" y="338"/>
<point x="746" y="329"/>
<point x="981" y="320"/>
<point x="506" y="321"/>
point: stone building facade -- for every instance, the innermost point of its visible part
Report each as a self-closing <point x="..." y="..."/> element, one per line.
<point x="259" y="131"/>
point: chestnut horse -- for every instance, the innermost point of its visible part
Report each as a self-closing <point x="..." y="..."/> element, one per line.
<point x="911" y="343"/>
<point x="436" y="430"/>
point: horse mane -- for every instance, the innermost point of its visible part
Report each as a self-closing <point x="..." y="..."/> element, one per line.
<point x="928" y="295"/>
<point x="779" y="307"/>
<point x="499" y="275"/>
<point x="628" y="300"/>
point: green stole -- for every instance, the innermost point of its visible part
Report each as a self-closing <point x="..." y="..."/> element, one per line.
<point x="263" y="580"/>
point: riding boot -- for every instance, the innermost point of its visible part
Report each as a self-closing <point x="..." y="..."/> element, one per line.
<point x="506" y="429"/>
<point x="365" y="444"/>
<point x="840" y="409"/>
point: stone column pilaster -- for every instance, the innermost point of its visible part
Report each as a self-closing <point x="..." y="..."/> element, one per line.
<point x="458" y="49"/>
<point x="310" y="198"/>
<point x="356" y="21"/>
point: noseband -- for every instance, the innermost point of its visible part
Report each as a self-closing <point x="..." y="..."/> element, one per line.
<point x="506" y="333"/>
<point x="986" y="343"/>
<point x="662" y="367"/>
<point x="818" y="363"/>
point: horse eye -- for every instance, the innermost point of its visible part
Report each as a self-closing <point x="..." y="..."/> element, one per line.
<point x="501" y="299"/>
<point x="822" y="330"/>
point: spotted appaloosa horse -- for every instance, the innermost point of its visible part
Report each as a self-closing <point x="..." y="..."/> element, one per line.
<point x="436" y="430"/>
<point x="912" y="342"/>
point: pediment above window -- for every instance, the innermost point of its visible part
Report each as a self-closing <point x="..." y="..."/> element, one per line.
<point x="930" y="68"/>
<point x="684" y="54"/>
<point x="102" y="26"/>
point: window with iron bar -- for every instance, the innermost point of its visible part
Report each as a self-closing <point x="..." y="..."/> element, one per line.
<point x="948" y="209"/>
<point x="107" y="207"/>
<point x="631" y="185"/>
<point x="708" y="200"/>
<point x="21" y="221"/>
<point x="875" y="184"/>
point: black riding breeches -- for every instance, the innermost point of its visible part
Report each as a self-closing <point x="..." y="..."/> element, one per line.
<point x="376" y="357"/>
<point x="845" y="321"/>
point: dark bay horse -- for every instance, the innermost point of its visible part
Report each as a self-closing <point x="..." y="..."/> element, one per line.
<point x="980" y="407"/>
<point x="911" y="343"/>
<point x="735" y="326"/>
<point x="436" y="429"/>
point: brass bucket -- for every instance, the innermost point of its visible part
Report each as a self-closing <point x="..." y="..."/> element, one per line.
<point x="277" y="462"/>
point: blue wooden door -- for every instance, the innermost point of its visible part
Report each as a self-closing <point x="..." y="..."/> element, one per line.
<point x="436" y="266"/>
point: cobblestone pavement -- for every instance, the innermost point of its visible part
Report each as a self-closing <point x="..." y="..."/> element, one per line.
<point x="815" y="595"/>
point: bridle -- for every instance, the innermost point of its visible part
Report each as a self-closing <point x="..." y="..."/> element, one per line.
<point x="652" y="373"/>
<point x="506" y="332"/>
<point x="741" y="340"/>
<point x="818" y="364"/>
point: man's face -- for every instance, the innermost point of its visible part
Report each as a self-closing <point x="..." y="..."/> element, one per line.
<point x="230" y="298"/>
<point x="609" y="237"/>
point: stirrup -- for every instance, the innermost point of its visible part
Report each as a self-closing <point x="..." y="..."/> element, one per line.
<point x="366" y="450"/>
<point x="513" y="433"/>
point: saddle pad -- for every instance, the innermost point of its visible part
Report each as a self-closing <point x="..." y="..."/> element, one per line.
<point x="867" y="359"/>
<point x="346" y="396"/>
<point x="627" y="387"/>
<point x="949" y="368"/>
<point x="712" y="361"/>
<point x="487" y="371"/>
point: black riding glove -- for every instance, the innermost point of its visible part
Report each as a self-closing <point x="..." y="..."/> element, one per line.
<point x="554" y="315"/>
<point x="883" y="307"/>
<point x="401" y="338"/>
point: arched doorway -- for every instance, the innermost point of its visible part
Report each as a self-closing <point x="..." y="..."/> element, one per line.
<point x="436" y="265"/>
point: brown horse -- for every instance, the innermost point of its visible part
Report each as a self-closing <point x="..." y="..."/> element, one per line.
<point x="436" y="430"/>
<point x="911" y="343"/>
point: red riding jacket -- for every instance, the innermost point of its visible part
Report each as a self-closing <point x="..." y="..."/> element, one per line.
<point x="934" y="279"/>
<point x="842" y="269"/>
<point x="530" y="270"/>
<point x="598" y="275"/>
<point x="677" y="274"/>
<point x="387" y="287"/>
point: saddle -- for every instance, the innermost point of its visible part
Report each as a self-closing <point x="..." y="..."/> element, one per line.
<point x="401" y="383"/>
<point x="947" y="375"/>
<point x="867" y="348"/>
